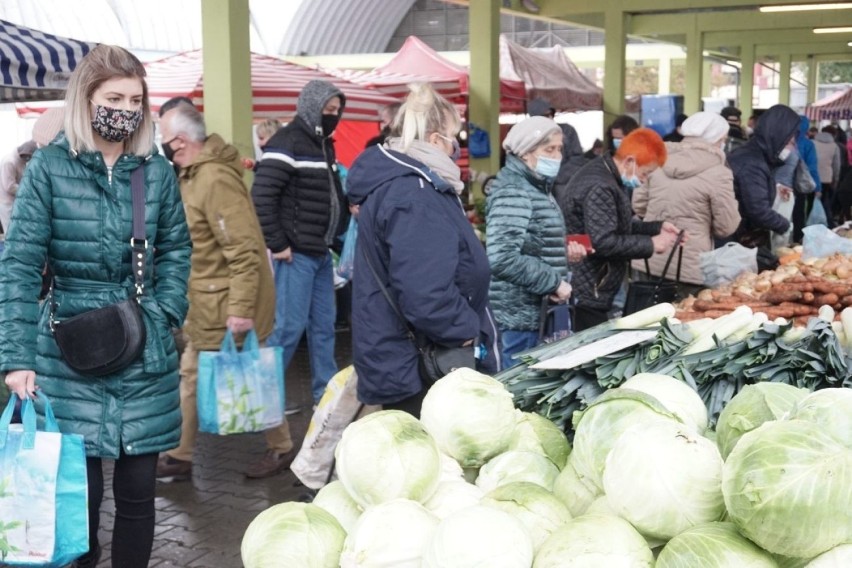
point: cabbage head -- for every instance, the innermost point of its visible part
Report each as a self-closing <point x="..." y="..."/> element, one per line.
<point x="452" y="496"/>
<point x="751" y="407"/>
<point x="470" y="415"/>
<point x="389" y="535"/>
<point x="831" y="409"/>
<point x="713" y="545"/>
<point x="837" y="557"/>
<point x="538" y="509"/>
<point x="535" y="433"/>
<point x="336" y="500"/>
<point x="293" y="534"/>
<point x="509" y="467"/>
<point x="675" y="395"/>
<point x="595" y="541"/>
<point x="788" y="487"/>
<point x="603" y="422"/>
<point x="479" y="537"/>
<point x="664" y="478"/>
<point x="387" y="455"/>
<point x="577" y="494"/>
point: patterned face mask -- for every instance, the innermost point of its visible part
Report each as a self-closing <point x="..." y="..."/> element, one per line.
<point x="115" y="124"/>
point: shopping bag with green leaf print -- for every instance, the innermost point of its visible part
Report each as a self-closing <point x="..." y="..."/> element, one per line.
<point x="240" y="391"/>
<point x="43" y="490"/>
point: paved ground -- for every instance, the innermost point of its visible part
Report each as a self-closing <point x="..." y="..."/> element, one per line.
<point x="201" y="524"/>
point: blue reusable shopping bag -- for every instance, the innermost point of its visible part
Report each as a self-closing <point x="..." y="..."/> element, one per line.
<point x="43" y="490"/>
<point x="240" y="391"/>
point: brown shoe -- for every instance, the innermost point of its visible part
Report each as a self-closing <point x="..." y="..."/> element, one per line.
<point x="170" y="469"/>
<point x="272" y="463"/>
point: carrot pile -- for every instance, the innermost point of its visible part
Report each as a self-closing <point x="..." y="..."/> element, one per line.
<point x="795" y="291"/>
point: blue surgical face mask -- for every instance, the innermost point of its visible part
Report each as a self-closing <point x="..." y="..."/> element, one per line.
<point x="616" y="142"/>
<point x="547" y="167"/>
<point x="631" y="182"/>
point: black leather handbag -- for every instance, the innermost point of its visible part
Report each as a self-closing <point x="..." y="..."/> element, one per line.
<point x="106" y="340"/>
<point x="434" y="361"/>
<point x="644" y="294"/>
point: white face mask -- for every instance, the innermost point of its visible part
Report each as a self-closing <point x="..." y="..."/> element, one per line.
<point x="784" y="154"/>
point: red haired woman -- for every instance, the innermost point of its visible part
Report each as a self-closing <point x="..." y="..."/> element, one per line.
<point x="598" y="205"/>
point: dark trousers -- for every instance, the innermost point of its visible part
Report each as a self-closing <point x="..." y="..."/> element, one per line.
<point x="585" y="317"/>
<point x="133" y="485"/>
<point x="801" y="204"/>
<point x="410" y="405"/>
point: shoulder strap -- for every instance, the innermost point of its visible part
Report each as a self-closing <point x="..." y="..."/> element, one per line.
<point x="409" y="331"/>
<point x="138" y="242"/>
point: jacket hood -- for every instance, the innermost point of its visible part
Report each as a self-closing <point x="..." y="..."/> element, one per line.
<point x="804" y="125"/>
<point x="774" y="129"/>
<point x="216" y="150"/>
<point x="517" y="167"/>
<point x="691" y="157"/>
<point x="824" y="137"/>
<point x="377" y="166"/>
<point x="313" y="99"/>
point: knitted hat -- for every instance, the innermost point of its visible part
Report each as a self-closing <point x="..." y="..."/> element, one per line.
<point x="708" y="126"/>
<point x="48" y="125"/>
<point x="528" y="134"/>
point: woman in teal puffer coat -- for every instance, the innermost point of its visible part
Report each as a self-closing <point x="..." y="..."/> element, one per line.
<point x="73" y="211"/>
<point x="526" y="234"/>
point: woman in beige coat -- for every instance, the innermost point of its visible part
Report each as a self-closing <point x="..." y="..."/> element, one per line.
<point x="694" y="191"/>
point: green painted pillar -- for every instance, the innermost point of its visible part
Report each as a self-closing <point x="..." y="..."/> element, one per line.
<point x="484" y="96"/>
<point x="706" y="79"/>
<point x="747" y="57"/>
<point x="615" y="39"/>
<point x="694" y="71"/>
<point x="785" y="63"/>
<point x="227" y="71"/>
<point x="813" y="78"/>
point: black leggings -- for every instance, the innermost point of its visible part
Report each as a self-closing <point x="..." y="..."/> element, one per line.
<point x="410" y="405"/>
<point x="133" y="485"/>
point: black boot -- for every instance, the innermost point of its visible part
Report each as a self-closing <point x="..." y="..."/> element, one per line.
<point x="88" y="560"/>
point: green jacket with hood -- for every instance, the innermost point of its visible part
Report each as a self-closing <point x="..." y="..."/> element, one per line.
<point x="71" y="214"/>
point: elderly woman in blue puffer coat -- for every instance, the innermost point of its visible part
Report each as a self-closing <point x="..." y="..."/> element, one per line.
<point x="526" y="234"/>
<point x="73" y="212"/>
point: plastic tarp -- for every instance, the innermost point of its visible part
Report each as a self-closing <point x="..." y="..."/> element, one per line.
<point x="550" y="75"/>
<point x="837" y="106"/>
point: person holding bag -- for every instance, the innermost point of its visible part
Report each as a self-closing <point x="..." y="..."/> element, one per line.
<point x="76" y="211"/>
<point x="420" y="275"/>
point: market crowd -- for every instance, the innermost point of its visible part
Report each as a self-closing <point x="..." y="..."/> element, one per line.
<point x="565" y="232"/>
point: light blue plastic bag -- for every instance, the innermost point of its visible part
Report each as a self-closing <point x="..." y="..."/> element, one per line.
<point x="43" y="490"/>
<point x="240" y="391"/>
<point x="817" y="215"/>
<point x="347" y="256"/>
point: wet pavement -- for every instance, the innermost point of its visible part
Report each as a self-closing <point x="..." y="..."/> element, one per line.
<point x="200" y="524"/>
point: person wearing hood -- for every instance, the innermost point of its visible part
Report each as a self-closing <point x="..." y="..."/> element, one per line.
<point x="828" y="164"/>
<point x="230" y="283"/>
<point x="416" y="249"/>
<point x="11" y="171"/>
<point x="599" y="206"/>
<point x="526" y="234"/>
<point x="695" y="191"/>
<point x="807" y="154"/>
<point x="302" y="210"/>
<point x="753" y="166"/>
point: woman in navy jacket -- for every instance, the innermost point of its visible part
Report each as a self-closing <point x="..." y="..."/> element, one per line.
<point x="413" y="229"/>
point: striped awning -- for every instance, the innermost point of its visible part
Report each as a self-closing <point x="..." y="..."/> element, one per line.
<point x="36" y="66"/>
<point x="275" y="86"/>
<point x="837" y="106"/>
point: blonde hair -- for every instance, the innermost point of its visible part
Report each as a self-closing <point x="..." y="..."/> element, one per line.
<point x="103" y="63"/>
<point x="423" y="113"/>
<point x="267" y="128"/>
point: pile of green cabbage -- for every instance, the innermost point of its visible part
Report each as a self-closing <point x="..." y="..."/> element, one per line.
<point x="476" y="482"/>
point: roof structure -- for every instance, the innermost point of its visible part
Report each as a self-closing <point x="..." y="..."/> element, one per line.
<point x="833" y="107"/>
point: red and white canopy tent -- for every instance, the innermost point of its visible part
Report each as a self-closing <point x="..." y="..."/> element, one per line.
<point x="837" y="106"/>
<point x="417" y="62"/>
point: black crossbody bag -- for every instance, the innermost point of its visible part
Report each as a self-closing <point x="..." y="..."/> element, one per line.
<point x="435" y="361"/>
<point x="106" y="340"/>
<point x="644" y="294"/>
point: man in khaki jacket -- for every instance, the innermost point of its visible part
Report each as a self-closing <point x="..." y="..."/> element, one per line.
<point x="230" y="283"/>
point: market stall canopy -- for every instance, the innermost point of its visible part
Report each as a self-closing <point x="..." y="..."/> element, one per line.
<point x="417" y="62"/>
<point x="837" y="106"/>
<point x="275" y="87"/>
<point x="549" y="75"/>
<point x="35" y="66"/>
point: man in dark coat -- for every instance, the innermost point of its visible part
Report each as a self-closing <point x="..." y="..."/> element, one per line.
<point x="754" y="184"/>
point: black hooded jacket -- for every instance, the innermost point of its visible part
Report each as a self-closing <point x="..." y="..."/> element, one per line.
<point x="297" y="191"/>
<point x="753" y="165"/>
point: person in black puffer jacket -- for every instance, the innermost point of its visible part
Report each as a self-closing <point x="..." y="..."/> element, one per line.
<point x="301" y="208"/>
<point x="598" y="205"/>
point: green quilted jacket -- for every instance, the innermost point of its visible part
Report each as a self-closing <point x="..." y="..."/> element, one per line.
<point x="69" y="214"/>
<point x="525" y="244"/>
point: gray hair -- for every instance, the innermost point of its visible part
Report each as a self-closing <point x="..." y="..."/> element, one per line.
<point x="187" y="120"/>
